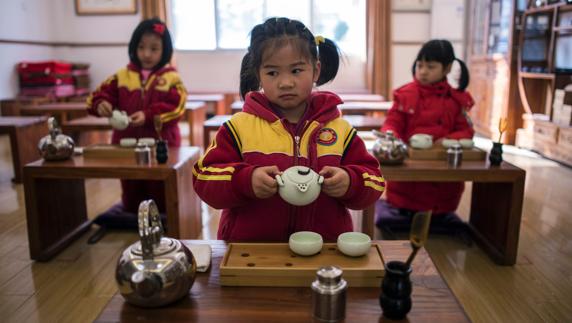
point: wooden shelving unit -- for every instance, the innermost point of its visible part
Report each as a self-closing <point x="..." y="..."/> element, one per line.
<point x="540" y="74"/>
<point x="495" y="27"/>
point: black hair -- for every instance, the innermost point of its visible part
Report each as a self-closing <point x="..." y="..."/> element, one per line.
<point x="151" y="26"/>
<point x="441" y="50"/>
<point x="274" y="33"/>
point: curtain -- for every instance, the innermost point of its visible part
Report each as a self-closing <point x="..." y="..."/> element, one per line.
<point x="378" y="67"/>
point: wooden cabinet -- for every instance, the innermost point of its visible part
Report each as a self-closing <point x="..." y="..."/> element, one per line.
<point x="544" y="69"/>
<point x="492" y="61"/>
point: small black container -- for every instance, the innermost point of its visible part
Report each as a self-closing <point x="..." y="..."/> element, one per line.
<point x="395" y="298"/>
<point x="162" y="152"/>
<point x="495" y="156"/>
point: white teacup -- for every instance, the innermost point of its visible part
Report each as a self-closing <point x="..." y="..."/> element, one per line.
<point x="421" y="141"/>
<point x="119" y="120"/>
<point x="128" y="142"/>
<point x="449" y="142"/>
<point x="466" y="143"/>
<point x="305" y="243"/>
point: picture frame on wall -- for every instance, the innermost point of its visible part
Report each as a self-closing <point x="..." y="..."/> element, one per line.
<point x="105" y="7"/>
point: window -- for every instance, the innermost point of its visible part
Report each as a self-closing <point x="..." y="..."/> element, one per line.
<point x="226" y="24"/>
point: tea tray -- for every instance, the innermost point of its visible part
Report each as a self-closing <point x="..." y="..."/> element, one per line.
<point x="440" y="153"/>
<point x="108" y="151"/>
<point x="273" y="264"/>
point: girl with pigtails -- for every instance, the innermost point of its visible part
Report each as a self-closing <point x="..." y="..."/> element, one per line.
<point x="285" y="122"/>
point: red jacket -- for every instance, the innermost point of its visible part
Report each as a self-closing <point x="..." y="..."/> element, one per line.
<point x="258" y="137"/>
<point x="163" y="94"/>
<point x="438" y="110"/>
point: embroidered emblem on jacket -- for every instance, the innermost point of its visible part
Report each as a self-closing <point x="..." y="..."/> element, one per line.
<point x="327" y="136"/>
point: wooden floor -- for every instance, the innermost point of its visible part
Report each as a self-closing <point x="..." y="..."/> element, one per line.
<point x="77" y="284"/>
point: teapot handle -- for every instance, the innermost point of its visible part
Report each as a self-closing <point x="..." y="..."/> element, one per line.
<point x="279" y="180"/>
<point x="150" y="227"/>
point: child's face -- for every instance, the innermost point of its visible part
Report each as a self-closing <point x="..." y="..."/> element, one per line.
<point x="429" y="72"/>
<point x="287" y="78"/>
<point x="149" y="50"/>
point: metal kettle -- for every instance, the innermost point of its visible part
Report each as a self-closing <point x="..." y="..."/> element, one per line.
<point x="55" y="146"/>
<point x="388" y="149"/>
<point x="157" y="270"/>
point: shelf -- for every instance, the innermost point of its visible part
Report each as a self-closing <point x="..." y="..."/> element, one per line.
<point x="563" y="29"/>
<point x="538" y="76"/>
<point x="545" y="8"/>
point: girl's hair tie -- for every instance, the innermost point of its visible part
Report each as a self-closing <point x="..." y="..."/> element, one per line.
<point x="159" y="28"/>
<point x="319" y="40"/>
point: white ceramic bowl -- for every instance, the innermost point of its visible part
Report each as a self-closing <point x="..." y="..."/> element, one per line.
<point x="148" y="141"/>
<point x="128" y="142"/>
<point x="466" y="143"/>
<point x="305" y="243"/>
<point x="354" y="244"/>
<point x="421" y="141"/>
<point x="449" y="142"/>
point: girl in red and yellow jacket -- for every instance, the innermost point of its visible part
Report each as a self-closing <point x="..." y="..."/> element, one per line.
<point x="286" y="125"/>
<point x="145" y="89"/>
<point x="429" y="105"/>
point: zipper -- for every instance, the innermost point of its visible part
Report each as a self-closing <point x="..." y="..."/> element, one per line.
<point x="296" y="149"/>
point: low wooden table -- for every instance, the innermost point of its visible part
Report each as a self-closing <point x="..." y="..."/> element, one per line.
<point x="433" y="301"/>
<point x="62" y="111"/>
<point x="496" y="200"/>
<point x="217" y="100"/>
<point x="56" y="203"/>
<point x="88" y="130"/>
<point x="196" y="112"/>
<point x="25" y="134"/>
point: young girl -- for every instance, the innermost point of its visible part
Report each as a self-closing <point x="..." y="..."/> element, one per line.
<point x="429" y="105"/>
<point x="147" y="88"/>
<point x="283" y="125"/>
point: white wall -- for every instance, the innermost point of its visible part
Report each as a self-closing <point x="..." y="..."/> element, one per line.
<point x="418" y="22"/>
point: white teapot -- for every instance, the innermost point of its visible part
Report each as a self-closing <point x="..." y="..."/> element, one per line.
<point x="299" y="185"/>
<point x="119" y="120"/>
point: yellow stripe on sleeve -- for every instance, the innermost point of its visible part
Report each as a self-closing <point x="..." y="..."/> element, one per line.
<point x="374" y="186"/>
<point x="375" y="178"/>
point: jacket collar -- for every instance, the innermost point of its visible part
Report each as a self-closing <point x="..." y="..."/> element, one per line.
<point x="322" y="106"/>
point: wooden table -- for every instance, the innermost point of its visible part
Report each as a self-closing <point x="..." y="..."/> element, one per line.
<point x="362" y="97"/>
<point x="433" y="301"/>
<point x="88" y="130"/>
<point x="196" y="113"/>
<point x="25" y="134"/>
<point x="62" y="111"/>
<point x="56" y="203"/>
<point x="496" y="200"/>
<point x="217" y="100"/>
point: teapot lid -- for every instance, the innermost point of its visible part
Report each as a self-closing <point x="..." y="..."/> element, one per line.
<point x="165" y="246"/>
<point x="299" y="174"/>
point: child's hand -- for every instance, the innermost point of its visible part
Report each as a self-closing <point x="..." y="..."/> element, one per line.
<point x="263" y="182"/>
<point x="104" y="109"/>
<point x="137" y="119"/>
<point x="336" y="181"/>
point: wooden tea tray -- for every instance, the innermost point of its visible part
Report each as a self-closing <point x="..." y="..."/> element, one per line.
<point x="108" y="151"/>
<point x="440" y="153"/>
<point x="273" y="264"/>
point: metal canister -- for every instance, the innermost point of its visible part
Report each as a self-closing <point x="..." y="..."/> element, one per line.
<point x="142" y="154"/>
<point x="329" y="294"/>
<point x="454" y="155"/>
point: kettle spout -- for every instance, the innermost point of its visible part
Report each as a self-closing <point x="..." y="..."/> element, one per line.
<point x="146" y="284"/>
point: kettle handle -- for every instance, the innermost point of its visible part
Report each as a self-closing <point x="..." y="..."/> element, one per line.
<point x="150" y="227"/>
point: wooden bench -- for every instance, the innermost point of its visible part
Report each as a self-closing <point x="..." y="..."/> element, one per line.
<point x="88" y="130"/>
<point x="25" y="134"/>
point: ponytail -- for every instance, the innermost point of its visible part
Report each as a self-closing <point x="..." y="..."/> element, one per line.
<point x="329" y="57"/>
<point x="248" y="79"/>
<point x="464" y="79"/>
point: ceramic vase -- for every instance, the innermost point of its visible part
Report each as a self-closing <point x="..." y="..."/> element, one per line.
<point x="395" y="298"/>
<point x="495" y="156"/>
